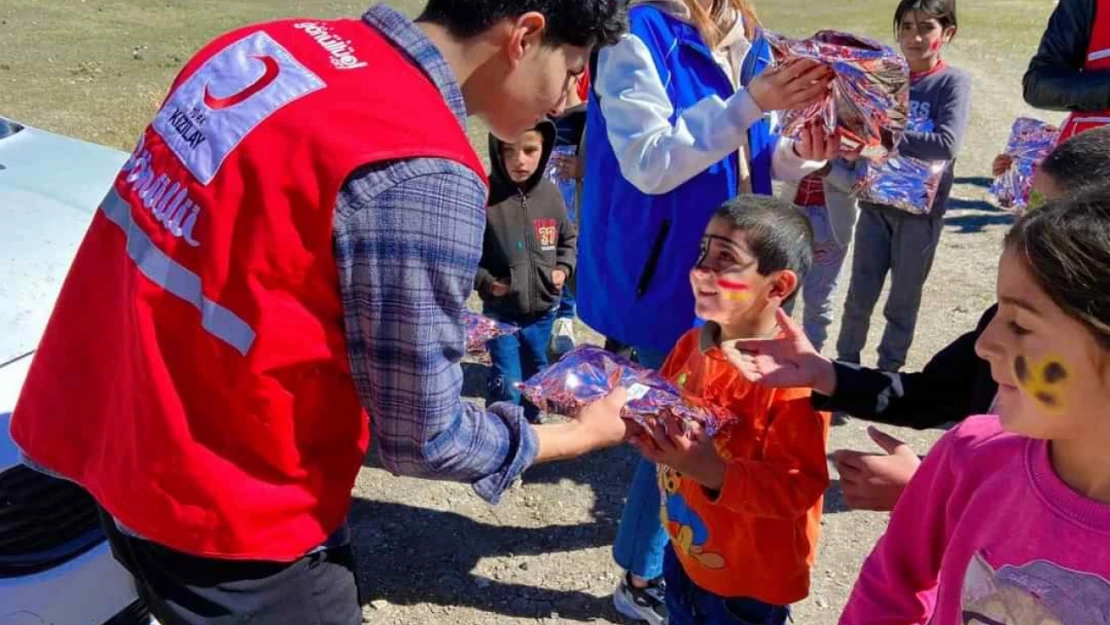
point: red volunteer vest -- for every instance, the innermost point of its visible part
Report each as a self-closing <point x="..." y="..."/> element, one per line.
<point x="1098" y="58"/>
<point x="194" y="374"/>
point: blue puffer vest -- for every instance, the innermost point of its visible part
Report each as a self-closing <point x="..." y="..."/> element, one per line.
<point x="636" y="250"/>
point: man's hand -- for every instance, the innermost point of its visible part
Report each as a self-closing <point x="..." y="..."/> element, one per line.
<point x="595" y="427"/>
<point x="787" y="362"/>
<point x="1001" y="163"/>
<point x="876" y="481"/>
<point x="559" y="277"/>
<point x="690" y="452"/>
<point x="499" y="289"/>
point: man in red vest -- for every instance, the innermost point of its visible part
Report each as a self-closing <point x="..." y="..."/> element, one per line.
<point x="281" y="267"/>
<point x="1071" y="70"/>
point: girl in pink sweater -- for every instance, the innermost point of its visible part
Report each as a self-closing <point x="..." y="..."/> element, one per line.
<point x="1008" y="520"/>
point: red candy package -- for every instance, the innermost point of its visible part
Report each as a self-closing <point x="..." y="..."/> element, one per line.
<point x="869" y="100"/>
<point x="481" y="330"/>
<point x="590" y="373"/>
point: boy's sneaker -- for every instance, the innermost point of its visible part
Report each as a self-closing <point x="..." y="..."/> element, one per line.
<point x="562" y="339"/>
<point x="641" y="604"/>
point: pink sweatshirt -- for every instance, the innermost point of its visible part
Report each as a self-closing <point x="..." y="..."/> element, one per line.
<point x="987" y="534"/>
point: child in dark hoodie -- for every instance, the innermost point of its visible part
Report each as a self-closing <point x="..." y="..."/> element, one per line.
<point x="527" y="256"/>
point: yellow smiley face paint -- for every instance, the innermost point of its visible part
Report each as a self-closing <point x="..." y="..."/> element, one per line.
<point x="1044" y="380"/>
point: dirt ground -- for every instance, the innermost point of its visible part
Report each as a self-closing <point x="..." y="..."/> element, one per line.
<point x="434" y="552"/>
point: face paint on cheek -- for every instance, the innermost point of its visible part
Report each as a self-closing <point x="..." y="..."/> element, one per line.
<point x="734" y="291"/>
<point x="1044" y="380"/>
<point x="935" y="45"/>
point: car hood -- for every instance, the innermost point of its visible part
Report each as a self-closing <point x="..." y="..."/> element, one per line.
<point x="50" y="187"/>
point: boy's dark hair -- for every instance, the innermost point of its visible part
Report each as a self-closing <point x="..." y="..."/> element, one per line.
<point x="943" y="10"/>
<point x="777" y="233"/>
<point x="1066" y="246"/>
<point x="1080" y="162"/>
<point x="580" y="23"/>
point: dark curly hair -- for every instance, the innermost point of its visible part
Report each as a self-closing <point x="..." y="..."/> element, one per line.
<point x="1066" y="246"/>
<point x="583" y="23"/>
<point x="1080" y="162"/>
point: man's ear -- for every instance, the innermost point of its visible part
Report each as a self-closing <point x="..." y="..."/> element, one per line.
<point x="527" y="34"/>
<point x="784" y="284"/>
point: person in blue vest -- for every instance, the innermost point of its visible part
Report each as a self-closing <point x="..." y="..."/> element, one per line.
<point x="680" y="120"/>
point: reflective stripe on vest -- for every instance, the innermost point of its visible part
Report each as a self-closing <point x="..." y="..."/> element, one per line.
<point x="176" y="279"/>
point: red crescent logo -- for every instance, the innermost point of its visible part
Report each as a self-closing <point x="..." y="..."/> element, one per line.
<point x="269" y="76"/>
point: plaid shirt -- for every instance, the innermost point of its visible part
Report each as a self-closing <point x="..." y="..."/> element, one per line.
<point x="408" y="237"/>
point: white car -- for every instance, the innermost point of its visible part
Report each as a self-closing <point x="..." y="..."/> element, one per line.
<point x="55" y="564"/>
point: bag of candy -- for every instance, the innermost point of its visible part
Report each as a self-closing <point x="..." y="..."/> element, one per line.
<point x="906" y="183"/>
<point x="588" y="373"/>
<point x="481" y="330"/>
<point x="869" y="100"/>
<point x="1030" y="142"/>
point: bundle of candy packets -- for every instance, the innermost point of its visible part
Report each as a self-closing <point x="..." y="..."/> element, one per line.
<point x="906" y="183"/>
<point x="589" y="373"/>
<point x="1030" y="142"/>
<point x="481" y="330"/>
<point x="869" y="100"/>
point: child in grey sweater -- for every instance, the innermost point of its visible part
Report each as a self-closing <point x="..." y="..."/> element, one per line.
<point x="888" y="239"/>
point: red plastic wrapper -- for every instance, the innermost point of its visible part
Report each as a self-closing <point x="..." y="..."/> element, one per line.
<point x="905" y="183"/>
<point x="869" y="101"/>
<point x="587" y="374"/>
<point x="1030" y="142"/>
<point x="481" y="330"/>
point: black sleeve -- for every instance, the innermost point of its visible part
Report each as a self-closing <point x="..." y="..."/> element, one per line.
<point x="942" y="392"/>
<point x="1055" y="79"/>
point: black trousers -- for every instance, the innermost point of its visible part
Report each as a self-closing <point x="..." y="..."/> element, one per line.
<point x="180" y="589"/>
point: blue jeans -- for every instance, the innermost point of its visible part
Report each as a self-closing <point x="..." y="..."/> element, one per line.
<point x="641" y="538"/>
<point x="568" y="307"/>
<point x="687" y="604"/>
<point x="519" y="356"/>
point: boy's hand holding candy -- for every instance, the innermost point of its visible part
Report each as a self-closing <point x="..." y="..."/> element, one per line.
<point x="685" y="447"/>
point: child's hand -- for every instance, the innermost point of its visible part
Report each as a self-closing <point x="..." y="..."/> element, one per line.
<point x="787" y="362"/>
<point x="876" y="481"/>
<point x="559" y="277"/>
<point x="691" y="453"/>
<point x="1001" y="163"/>
<point x="499" y="289"/>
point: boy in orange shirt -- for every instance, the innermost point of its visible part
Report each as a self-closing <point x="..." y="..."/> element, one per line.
<point x="743" y="508"/>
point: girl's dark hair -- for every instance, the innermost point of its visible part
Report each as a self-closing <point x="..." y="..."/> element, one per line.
<point x="1080" y="162"/>
<point x="581" y="23"/>
<point x="1066" y="246"/>
<point x="943" y="10"/>
<point x="777" y="232"/>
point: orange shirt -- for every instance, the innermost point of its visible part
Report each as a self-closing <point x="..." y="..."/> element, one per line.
<point x="757" y="537"/>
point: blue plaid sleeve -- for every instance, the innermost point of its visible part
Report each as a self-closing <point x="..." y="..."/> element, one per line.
<point x="408" y="236"/>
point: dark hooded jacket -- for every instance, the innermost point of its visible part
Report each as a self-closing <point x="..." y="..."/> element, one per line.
<point x="527" y="237"/>
<point x="1055" y="79"/>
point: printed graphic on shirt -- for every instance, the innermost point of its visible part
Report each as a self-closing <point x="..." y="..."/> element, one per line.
<point x="1038" y="593"/>
<point x="228" y="97"/>
<point x="547" y="233"/>
<point x="687" y="530"/>
<point x="1044" y="380"/>
<point x="921" y="111"/>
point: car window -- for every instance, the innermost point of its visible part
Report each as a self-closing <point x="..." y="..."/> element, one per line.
<point x="8" y="128"/>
